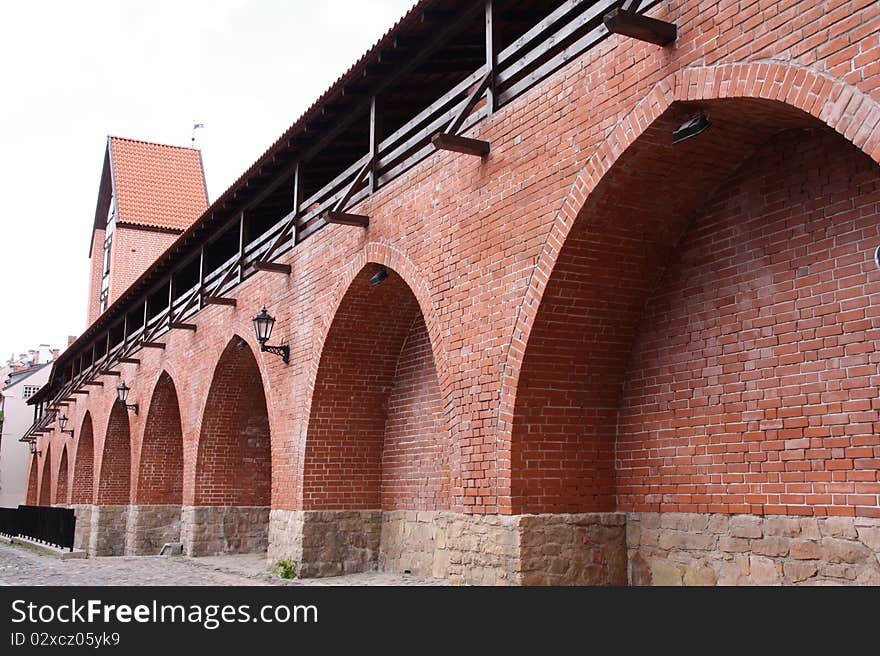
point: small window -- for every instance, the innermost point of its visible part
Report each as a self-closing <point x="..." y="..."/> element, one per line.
<point x="105" y="297"/>
<point x="107" y="243"/>
<point x="29" y="391"/>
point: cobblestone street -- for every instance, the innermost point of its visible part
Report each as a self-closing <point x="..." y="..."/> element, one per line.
<point x="24" y="566"/>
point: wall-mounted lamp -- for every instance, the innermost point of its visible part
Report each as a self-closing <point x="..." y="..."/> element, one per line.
<point x="122" y="394"/>
<point x="379" y="276"/>
<point x="877" y="257"/>
<point x="62" y="421"/>
<point x="263" y="324"/>
<point x="691" y="128"/>
<point x="34" y="450"/>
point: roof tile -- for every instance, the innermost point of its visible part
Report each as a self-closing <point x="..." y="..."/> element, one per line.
<point x="157" y="186"/>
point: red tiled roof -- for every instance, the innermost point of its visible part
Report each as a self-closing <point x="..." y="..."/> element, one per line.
<point x="157" y="186"/>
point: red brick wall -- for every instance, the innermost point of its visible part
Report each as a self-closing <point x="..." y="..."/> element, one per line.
<point x="96" y="270"/>
<point x="234" y="460"/>
<point x="753" y="383"/>
<point x="46" y="479"/>
<point x="33" y="478"/>
<point x="82" y="488"/>
<point x="415" y="453"/>
<point x="61" y="482"/>
<point x="115" y="470"/>
<point x="376" y="437"/>
<point x="133" y="251"/>
<point x="482" y="242"/>
<point x="160" y="467"/>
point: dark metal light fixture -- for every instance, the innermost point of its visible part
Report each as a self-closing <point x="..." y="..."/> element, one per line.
<point x="62" y="422"/>
<point x="34" y="450"/>
<point x="877" y="257"/>
<point x="263" y="324"/>
<point x="691" y="128"/>
<point x="379" y="276"/>
<point x="122" y="394"/>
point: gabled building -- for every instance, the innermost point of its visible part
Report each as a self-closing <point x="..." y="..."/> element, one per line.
<point x="15" y="418"/>
<point x="149" y="194"/>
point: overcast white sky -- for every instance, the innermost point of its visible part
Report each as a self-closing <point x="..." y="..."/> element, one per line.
<point x="73" y="72"/>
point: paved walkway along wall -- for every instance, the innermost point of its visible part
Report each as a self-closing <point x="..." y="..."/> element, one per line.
<point x="597" y="356"/>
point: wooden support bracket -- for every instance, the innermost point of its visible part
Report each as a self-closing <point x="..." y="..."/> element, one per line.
<point x="111" y="373"/>
<point x="219" y="300"/>
<point x="155" y="345"/>
<point x="457" y="144"/>
<point x="178" y="325"/>
<point x="271" y="267"/>
<point x="129" y="361"/>
<point x="638" y="26"/>
<point x="85" y="392"/>
<point x="344" y="218"/>
<point x="94" y="383"/>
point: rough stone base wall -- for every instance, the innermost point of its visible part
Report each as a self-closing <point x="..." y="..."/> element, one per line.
<point x="107" y="530"/>
<point x="339" y="542"/>
<point x="716" y="549"/>
<point x="583" y="549"/>
<point x="408" y="542"/>
<point x="83" y="526"/>
<point x="215" y="530"/>
<point x="572" y="549"/>
<point x="149" y="527"/>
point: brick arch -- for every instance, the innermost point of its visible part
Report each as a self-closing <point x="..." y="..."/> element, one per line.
<point x="160" y="466"/>
<point x="233" y="463"/>
<point x="795" y="89"/>
<point x="388" y="256"/>
<point x="33" y="482"/>
<point x="114" y="480"/>
<point x="46" y="478"/>
<point x="377" y="436"/>
<point x="82" y="489"/>
<point x="61" y="481"/>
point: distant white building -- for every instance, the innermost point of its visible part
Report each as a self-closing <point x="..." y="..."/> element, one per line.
<point x="17" y="417"/>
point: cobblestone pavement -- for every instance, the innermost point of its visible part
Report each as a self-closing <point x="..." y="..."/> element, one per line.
<point x="21" y="565"/>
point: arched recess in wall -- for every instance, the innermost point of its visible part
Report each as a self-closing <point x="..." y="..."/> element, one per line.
<point x="160" y="469"/>
<point x="82" y="487"/>
<point x="33" y="482"/>
<point x="114" y="480"/>
<point x="46" y="480"/>
<point x="377" y="435"/>
<point x="654" y="376"/>
<point x="61" y="480"/>
<point x="234" y="462"/>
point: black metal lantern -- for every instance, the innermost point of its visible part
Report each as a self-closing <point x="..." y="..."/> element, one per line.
<point x="34" y="450"/>
<point x="122" y="391"/>
<point x="62" y="422"/>
<point x="263" y="324"/>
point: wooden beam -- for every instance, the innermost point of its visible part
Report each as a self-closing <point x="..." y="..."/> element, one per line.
<point x="179" y="325"/>
<point x="86" y="392"/>
<point x="129" y="361"/>
<point x="271" y="267"/>
<point x="457" y="144"/>
<point x="155" y="345"/>
<point x="344" y="218"/>
<point x="491" y="55"/>
<point x="111" y="373"/>
<point x="638" y="26"/>
<point x="94" y="383"/>
<point x="219" y="300"/>
<point x="68" y="399"/>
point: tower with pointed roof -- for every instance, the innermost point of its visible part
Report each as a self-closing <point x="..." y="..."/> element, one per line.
<point x="149" y="194"/>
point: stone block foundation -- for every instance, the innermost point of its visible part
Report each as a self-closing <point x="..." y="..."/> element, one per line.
<point x="83" y="526"/>
<point x="149" y="527"/>
<point x="107" y="530"/>
<point x="716" y="549"/>
<point x="581" y="549"/>
<point x="215" y="530"/>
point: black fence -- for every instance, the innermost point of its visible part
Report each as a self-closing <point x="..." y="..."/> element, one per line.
<point x="41" y="523"/>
